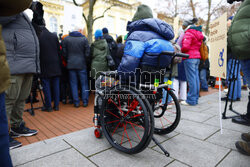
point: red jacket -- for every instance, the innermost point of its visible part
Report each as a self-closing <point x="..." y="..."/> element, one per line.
<point x="191" y="42"/>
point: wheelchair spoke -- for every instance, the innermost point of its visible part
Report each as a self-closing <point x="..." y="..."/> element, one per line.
<point x="117" y="106"/>
<point x="112" y="114"/>
<point x="138" y="115"/>
<point x="115" y="128"/>
<point x="127" y="135"/>
<point x="135" y="124"/>
<point x="136" y="132"/>
<point x="167" y="120"/>
<point x="112" y="122"/>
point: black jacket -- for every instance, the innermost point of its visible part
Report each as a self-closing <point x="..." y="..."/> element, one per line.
<point x="50" y="61"/>
<point x="76" y="51"/>
<point x="112" y="46"/>
<point x="204" y="64"/>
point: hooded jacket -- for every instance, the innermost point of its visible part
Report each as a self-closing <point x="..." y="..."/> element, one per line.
<point x="146" y="39"/>
<point x="76" y="51"/>
<point x="238" y="34"/>
<point x="22" y="46"/>
<point x="99" y="52"/>
<point x="191" y="42"/>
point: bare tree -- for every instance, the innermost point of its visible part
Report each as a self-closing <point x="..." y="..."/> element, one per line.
<point x="192" y="6"/>
<point x="90" y="19"/>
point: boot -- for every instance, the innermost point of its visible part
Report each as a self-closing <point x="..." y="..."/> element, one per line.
<point x="243" y="147"/>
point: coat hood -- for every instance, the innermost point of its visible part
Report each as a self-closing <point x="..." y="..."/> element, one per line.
<point x="151" y="24"/>
<point x="100" y="44"/>
<point x="196" y="31"/>
<point x="75" y="34"/>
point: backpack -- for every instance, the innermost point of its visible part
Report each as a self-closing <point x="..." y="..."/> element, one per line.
<point x="204" y="51"/>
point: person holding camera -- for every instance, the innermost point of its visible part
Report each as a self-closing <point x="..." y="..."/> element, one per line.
<point x="7" y="9"/>
<point x="22" y="53"/>
<point x="239" y="44"/>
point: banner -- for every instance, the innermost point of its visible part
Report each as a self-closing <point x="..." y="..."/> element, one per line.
<point x="218" y="47"/>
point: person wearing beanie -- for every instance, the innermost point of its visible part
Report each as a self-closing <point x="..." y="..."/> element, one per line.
<point x="98" y="52"/>
<point x="111" y="44"/>
<point x="98" y="34"/>
<point x="147" y="38"/>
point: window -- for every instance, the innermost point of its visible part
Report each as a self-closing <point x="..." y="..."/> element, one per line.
<point x="123" y="27"/>
<point x="53" y="24"/>
<point x="111" y="24"/>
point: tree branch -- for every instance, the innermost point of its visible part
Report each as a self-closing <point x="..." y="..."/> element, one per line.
<point x="74" y="1"/>
<point x="104" y="12"/>
<point x="85" y="18"/>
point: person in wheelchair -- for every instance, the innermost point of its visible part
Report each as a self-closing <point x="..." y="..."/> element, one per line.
<point x="147" y="38"/>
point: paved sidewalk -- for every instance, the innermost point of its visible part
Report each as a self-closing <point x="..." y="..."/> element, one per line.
<point x="196" y="142"/>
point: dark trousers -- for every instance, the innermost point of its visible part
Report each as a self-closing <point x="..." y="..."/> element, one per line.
<point x="55" y="82"/>
<point x="5" y="159"/>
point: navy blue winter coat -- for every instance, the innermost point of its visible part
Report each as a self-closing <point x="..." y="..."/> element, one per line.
<point x="146" y="39"/>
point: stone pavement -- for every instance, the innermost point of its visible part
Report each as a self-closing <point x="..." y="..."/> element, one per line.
<point x="195" y="142"/>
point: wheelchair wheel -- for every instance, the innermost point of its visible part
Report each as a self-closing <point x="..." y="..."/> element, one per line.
<point x="125" y="120"/>
<point x="167" y="116"/>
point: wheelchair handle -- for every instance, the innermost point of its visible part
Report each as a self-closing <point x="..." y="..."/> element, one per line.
<point x="172" y="53"/>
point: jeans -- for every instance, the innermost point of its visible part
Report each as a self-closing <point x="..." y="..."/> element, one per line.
<point x="192" y="74"/>
<point x="46" y="82"/>
<point x="82" y="75"/>
<point x="5" y="159"/>
<point x="237" y="87"/>
<point x="245" y="64"/>
<point x="165" y="92"/>
<point x="203" y="79"/>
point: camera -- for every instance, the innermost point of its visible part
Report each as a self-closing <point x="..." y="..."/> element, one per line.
<point x="232" y="1"/>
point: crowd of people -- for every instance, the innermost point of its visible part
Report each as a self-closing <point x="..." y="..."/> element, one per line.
<point x="66" y="66"/>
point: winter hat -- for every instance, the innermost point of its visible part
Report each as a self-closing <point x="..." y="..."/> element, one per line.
<point x="190" y="22"/>
<point x="230" y="18"/>
<point x="105" y="30"/>
<point x="142" y="12"/>
<point x="125" y="37"/>
<point x="98" y="33"/>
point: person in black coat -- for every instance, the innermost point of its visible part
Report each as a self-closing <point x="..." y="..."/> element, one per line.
<point x="50" y="68"/>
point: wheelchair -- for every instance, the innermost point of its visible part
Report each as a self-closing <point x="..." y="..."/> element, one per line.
<point x="129" y="114"/>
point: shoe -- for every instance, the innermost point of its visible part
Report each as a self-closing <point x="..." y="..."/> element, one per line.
<point x="225" y="98"/>
<point x="243" y="147"/>
<point x="241" y="120"/>
<point x="35" y="100"/>
<point x="70" y="101"/>
<point x="22" y="131"/>
<point x="64" y="101"/>
<point x="204" y="90"/>
<point x="14" y="143"/>
<point x="246" y="137"/>
<point x="76" y="105"/>
<point x="85" y="105"/>
<point x="184" y="103"/>
<point x="225" y="90"/>
<point x="47" y="109"/>
<point x="244" y="87"/>
<point x="56" y="108"/>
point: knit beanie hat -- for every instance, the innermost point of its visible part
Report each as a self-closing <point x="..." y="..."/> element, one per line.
<point x="105" y="30"/>
<point x="142" y="12"/>
<point x="190" y="22"/>
<point x="98" y="33"/>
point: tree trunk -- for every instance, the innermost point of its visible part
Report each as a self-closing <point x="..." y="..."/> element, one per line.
<point x="192" y="7"/>
<point x="208" y="16"/>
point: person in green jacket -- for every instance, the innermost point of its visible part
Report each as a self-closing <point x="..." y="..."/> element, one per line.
<point x="7" y="8"/>
<point x="99" y="51"/>
<point x="239" y="42"/>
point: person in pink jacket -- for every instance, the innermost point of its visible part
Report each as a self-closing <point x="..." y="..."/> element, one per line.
<point x="191" y="44"/>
